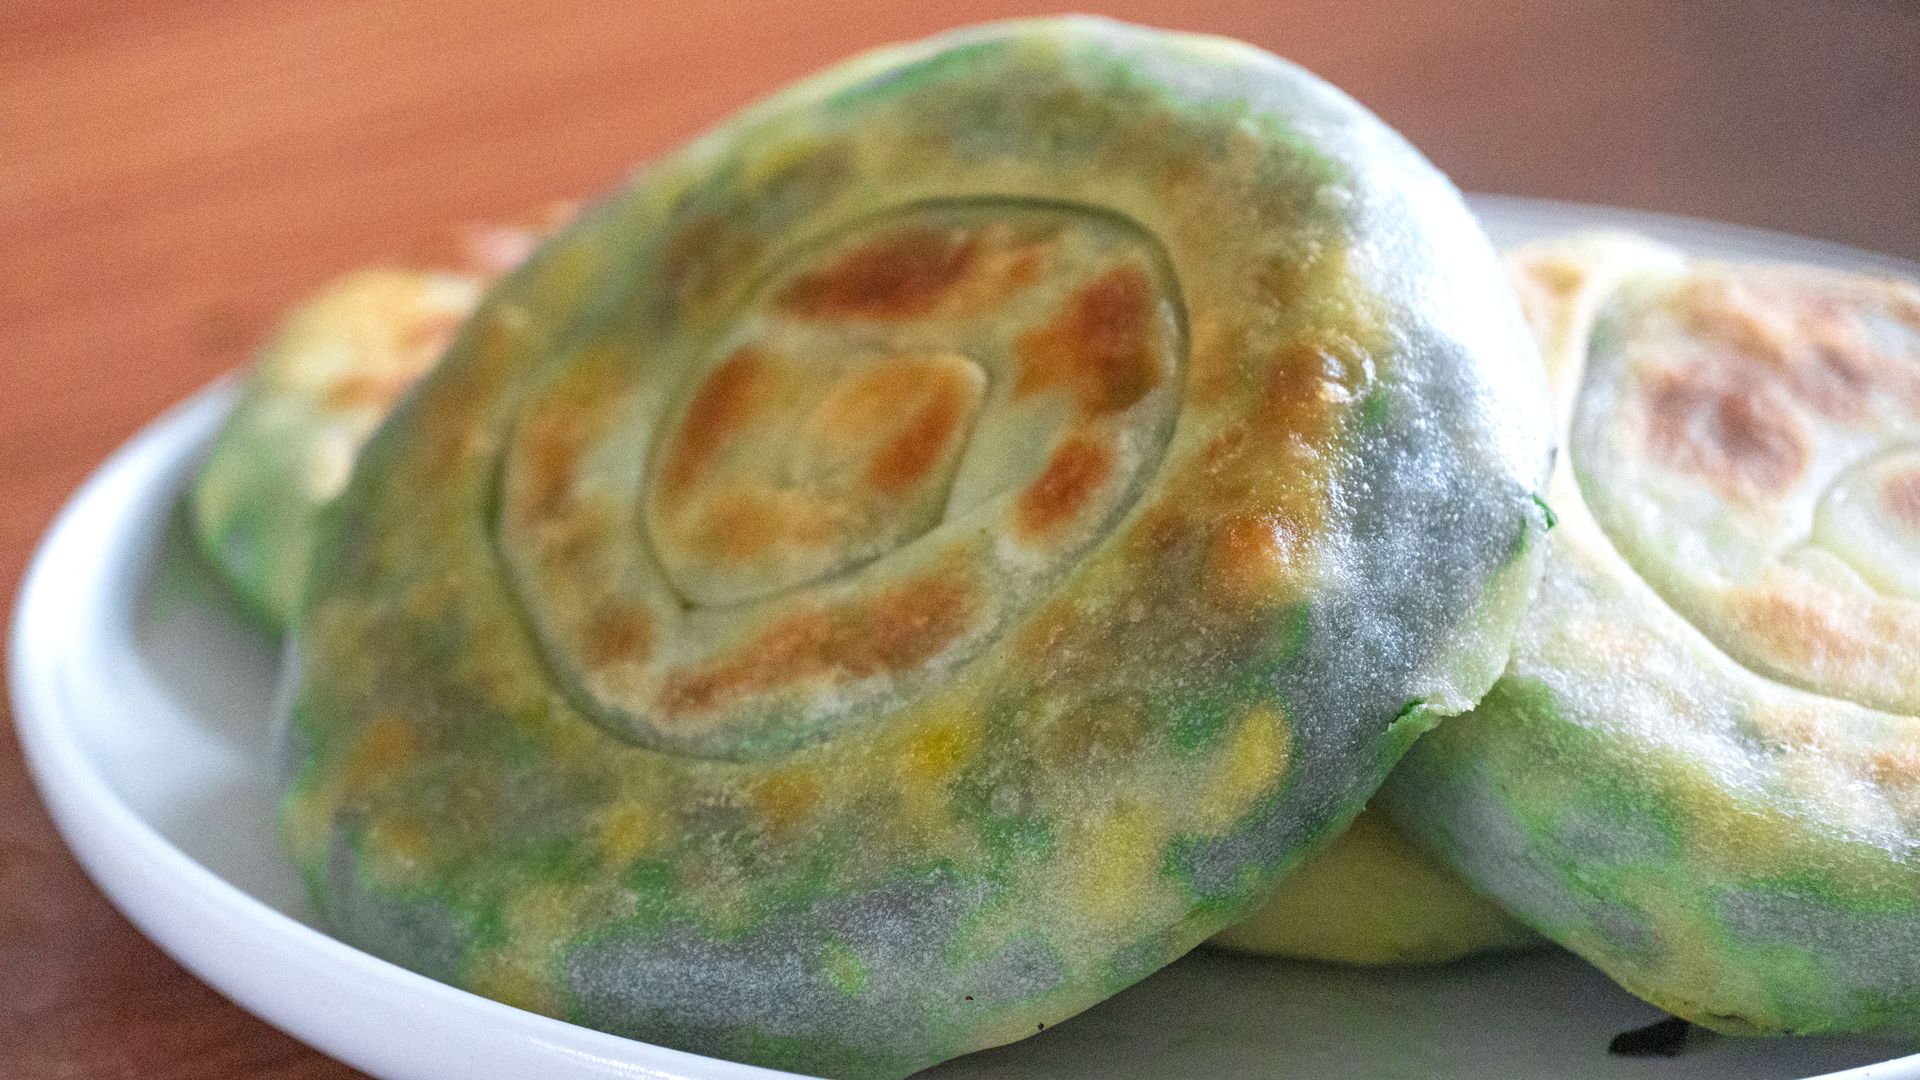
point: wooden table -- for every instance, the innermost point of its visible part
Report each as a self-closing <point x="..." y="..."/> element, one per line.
<point x="174" y="172"/>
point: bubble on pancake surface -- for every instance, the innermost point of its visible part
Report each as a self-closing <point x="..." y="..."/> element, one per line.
<point x="998" y="710"/>
<point x="1730" y="836"/>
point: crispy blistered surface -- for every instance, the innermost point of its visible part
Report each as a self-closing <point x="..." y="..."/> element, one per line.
<point x="896" y="574"/>
<point x="1743" y="441"/>
<point x="1734" y="848"/>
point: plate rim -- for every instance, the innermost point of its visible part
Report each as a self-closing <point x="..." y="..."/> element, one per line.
<point x="111" y="524"/>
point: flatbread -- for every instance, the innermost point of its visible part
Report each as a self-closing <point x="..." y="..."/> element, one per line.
<point x="1737" y="842"/>
<point x="922" y="557"/>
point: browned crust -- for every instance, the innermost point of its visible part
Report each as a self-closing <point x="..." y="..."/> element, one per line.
<point x="902" y="276"/>
<point x="1075" y="471"/>
<point x="1901" y="494"/>
<point x="1100" y="346"/>
<point x="1743" y="438"/>
<point x="726" y="404"/>
<point x="895" y="629"/>
<point x="907" y="459"/>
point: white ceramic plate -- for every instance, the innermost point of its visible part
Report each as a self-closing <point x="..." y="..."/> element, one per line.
<point x="143" y="702"/>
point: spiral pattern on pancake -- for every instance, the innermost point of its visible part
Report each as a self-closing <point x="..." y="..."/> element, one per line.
<point x="922" y="557"/>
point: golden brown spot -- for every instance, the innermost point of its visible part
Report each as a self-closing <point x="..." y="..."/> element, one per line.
<point x="384" y="748"/>
<point x="937" y="753"/>
<point x="873" y="396"/>
<point x="1225" y="449"/>
<point x="1073" y="474"/>
<point x="896" y="630"/>
<point x="902" y="276"/>
<point x="700" y="258"/>
<point x="1544" y="283"/>
<point x="1293" y="380"/>
<point x="1716" y="310"/>
<point x="550" y="448"/>
<point x="1100" y="346"/>
<point x="1894" y="766"/>
<point x="765" y="473"/>
<point x="906" y="460"/>
<point x="1901" y="494"/>
<point x="1184" y="171"/>
<point x="1840" y="371"/>
<point x="1250" y="558"/>
<point x="1803" y="327"/>
<point x="895" y="420"/>
<point x="785" y="799"/>
<point x="558" y="432"/>
<point x="1023" y="269"/>
<point x="744" y="522"/>
<point x="1563" y="276"/>
<point x="617" y="634"/>
<point x="725" y="405"/>
<point x="1800" y="630"/>
<point x="1292" y="401"/>
<point x="1045" y="630"/>
<point x="1285" y="281"/>
<point x="1743" y="440"/>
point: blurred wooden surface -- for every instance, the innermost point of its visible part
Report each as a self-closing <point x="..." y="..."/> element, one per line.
<point x="173" y="172"/>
